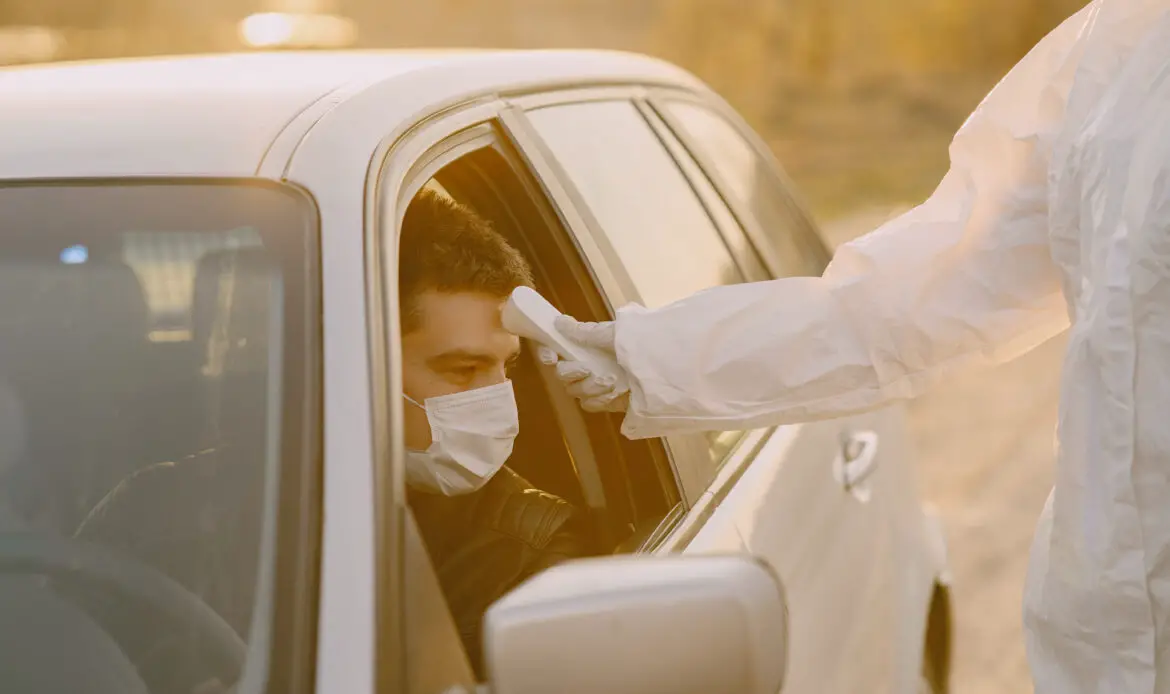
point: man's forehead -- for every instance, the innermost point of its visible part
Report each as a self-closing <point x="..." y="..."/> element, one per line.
<point x="458" y="307"/>
<point x="462" y="324"/>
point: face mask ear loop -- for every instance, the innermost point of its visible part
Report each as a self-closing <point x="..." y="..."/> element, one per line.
<point x="414" y="402"/>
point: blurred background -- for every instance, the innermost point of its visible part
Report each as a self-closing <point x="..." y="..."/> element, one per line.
<point x="858" y="99"/>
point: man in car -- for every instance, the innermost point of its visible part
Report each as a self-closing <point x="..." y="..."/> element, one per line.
<point x="486" y="528"/>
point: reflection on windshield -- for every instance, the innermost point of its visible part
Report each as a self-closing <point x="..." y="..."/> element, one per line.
<point x="142" y="337"/>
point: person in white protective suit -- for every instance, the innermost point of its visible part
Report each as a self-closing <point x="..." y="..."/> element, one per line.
<point x="1055" y="213"/>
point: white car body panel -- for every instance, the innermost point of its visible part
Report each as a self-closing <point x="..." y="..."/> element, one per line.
<point x="219" y="115"/>
<point x="852" y="569"/>
<point x="348" y="605"/>
<point x="859" y="575"/>
<point x="204" y="116"/>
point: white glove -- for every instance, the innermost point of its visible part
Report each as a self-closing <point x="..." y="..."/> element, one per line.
<point x="597" y="393"/>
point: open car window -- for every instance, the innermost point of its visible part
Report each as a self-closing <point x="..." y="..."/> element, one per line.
<point x="619" y="490"/>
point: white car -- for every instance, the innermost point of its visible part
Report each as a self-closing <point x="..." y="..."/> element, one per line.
<point x="200" y="411"/>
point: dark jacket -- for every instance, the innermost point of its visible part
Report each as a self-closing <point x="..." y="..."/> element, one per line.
<point x="485" y="543"/>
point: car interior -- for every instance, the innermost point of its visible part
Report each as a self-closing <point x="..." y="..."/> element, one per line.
<point x="626" y="486"/>
<point x="59" y="321"/>
<point x="99" y="392"/>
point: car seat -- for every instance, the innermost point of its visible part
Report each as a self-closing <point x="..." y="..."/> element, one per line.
<point x="73" y="343"/>
<point x="231" y="325"/>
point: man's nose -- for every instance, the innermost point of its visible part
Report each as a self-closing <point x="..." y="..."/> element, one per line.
<point x="492" y="377"/>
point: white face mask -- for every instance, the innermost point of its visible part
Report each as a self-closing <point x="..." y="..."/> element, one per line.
<point x="471" y="438"/>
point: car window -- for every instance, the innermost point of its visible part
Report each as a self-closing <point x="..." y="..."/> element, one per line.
<point x="751" y="184"/>
<point x="645" y="206"/>
<point x="642" y="202"/>
<point x="144" y="336"/>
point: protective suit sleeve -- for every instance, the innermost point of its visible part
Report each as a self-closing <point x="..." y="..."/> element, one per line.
<point x="964" y="278"/>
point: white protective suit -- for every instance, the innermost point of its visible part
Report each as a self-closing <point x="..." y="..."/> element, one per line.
<point x="1056" y="211"/>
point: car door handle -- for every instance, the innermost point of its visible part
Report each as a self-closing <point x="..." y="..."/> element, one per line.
<point x="856" y="461"/>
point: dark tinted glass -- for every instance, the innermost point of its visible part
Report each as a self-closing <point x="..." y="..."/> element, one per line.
<point x="143" y="340"/>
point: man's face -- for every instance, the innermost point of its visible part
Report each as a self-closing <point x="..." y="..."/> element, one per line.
<point x="459" y="345"/>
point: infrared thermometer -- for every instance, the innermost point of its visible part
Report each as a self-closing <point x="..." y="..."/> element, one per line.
<point x="530" y="315"/>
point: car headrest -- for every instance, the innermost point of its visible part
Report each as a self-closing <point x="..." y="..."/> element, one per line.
<point x="233" y="292"/>
<point x="55" y="309"/>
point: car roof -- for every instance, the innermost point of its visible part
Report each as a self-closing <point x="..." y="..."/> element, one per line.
<point x="216" y="115"/>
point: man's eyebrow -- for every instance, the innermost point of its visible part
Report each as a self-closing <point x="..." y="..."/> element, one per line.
<point x="461" y="355"/>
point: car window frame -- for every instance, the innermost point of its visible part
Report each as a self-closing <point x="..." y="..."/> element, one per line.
<point x="490" y="133"/>
<point x="399" y="168"/>
<point x="807" y="232"/>
<point x="689" y="453"/>
<point x="396" y="566"/>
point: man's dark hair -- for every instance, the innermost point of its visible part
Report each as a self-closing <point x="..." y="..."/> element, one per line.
<point x="446" y="247"/>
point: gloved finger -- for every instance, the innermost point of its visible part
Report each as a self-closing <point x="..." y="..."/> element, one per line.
<point x="572" y="371"/>
<point x="597" y="335"/>
<point x="617" y="401"/>
<point x="590" y="387"/>
<point x="586" y="388"/>
<point x="547" y="356"/>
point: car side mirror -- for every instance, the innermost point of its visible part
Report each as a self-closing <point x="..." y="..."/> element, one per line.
<point x="641" y="624"/>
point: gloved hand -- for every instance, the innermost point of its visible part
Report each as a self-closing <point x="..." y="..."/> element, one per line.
<point x="597" y="393"/>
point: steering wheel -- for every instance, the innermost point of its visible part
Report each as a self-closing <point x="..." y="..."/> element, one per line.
<point x="75" y="561"/>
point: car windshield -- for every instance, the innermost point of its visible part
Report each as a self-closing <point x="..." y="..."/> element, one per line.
<point x="152" y="339"/>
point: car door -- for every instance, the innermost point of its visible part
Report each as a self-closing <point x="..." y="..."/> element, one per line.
<point x="463" y="154"/>
<point x="755" y="187"/>
<point x="814" y="499"/>
<point x="752" y="183"/>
